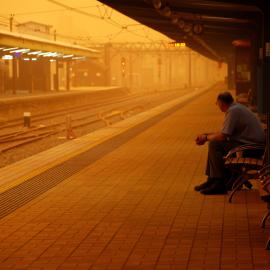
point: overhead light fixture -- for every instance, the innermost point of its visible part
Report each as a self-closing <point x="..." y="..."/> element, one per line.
<point x="10" y="49"/>
<point x="52" y="54"/>
<point x="68" y="55"/>
<point x="34" y="53"/>
<point x="174" y="20"/>
<point x="20" y="51"/>
<point x="48" y="54"/>
<point x="78" y="58"/>
<point x="43" y="53"/>
<point x="157" y="4"/>
<point x="187" y="27"/>
<point x="197" y="28"/>
<point x="26" y="59"/>
<point x="162" y="7"/>
<point x="166" y="11"/>
<point x="181" y="24"/>
<point x="241" y="43"/>
<point x="7" y="57"/>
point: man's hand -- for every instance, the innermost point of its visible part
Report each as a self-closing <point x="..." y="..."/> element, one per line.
<point x="201" y="139"/>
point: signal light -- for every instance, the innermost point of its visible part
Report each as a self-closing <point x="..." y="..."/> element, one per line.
<point x="123" y="66"/>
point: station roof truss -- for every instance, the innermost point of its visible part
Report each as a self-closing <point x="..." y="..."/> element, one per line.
<point x="144" y="46"/>
<point x="23" y="44"/>
<point x="206" y="26"/>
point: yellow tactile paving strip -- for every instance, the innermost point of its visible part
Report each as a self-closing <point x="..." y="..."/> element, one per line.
<point x="17" y="173"/>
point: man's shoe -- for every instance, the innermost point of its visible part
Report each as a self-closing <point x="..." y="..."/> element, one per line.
<point x="218" y="187"/>
<point x="204" y="185"/>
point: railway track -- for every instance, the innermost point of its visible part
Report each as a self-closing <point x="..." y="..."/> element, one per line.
<point x="99" y="103"/>
<point x="69" y="121"/>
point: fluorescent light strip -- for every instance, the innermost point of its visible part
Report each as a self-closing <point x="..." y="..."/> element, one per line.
<point x="52" y="54"/>
<point x="48" y="54"/>
<point x="10" y="49"/>
<point x="21" y="51"/>
<point x="78" y="58"/>
<point x="34" y="53"/>
<point x="7" y="57"/>
<point x="42" y="53"/>
<point x="68" y="55"/>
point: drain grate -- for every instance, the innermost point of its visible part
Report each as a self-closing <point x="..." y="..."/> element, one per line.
<point x="18" y="196"/>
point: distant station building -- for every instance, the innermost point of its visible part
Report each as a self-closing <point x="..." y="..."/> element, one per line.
<point x="35" y="28"/>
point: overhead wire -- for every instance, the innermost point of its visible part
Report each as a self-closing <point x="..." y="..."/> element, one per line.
<point x="105" y="11"/>
<point x="74" y="9"/>
<point x="17" y="23"/>
<point x="47" y="11"/>
<point x="142" y="36"/>
<point x="80" y="11"/>
<point x="108" y="19"/>
<point x="115" y="35"/>
<point x="106" y="16"/>
<point x="109" y="37"/>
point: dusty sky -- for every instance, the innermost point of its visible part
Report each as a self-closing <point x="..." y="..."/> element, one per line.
<point x="90" y="26"/>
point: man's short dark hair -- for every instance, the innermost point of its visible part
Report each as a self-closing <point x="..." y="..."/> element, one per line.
<point x="226" y="98"/>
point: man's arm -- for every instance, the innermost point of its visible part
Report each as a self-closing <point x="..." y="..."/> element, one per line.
<point x="218" y="136"/>
<point x="203" y="138"/>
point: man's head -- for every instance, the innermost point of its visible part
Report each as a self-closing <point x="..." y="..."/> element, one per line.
<point x="224" y="101"/>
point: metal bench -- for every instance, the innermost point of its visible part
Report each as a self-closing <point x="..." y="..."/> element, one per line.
<point x="244" y="161"/>
<point x="251" y="168"/>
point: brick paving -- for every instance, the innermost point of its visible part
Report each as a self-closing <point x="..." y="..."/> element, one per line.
<point x="135" y="209"/>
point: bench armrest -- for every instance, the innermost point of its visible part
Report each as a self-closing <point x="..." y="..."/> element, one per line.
<point x="241" y="148"/>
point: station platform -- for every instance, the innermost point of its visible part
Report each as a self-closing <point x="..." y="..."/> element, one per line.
<point x="123" y="198"/>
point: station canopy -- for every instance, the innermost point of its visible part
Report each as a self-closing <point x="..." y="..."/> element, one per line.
<point x="16" y="44"/>
<point x="207" y="26"/>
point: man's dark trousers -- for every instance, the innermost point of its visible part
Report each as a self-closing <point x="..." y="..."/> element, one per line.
<point x="215" y="161"/>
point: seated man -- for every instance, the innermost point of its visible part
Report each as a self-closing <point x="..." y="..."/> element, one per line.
<point x="240" y="126"/>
